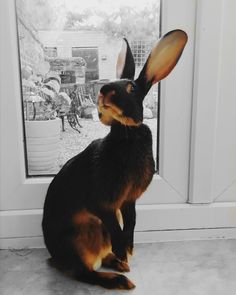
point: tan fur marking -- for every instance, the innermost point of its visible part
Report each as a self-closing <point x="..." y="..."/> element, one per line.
<point x="90" y="243"/>
<point x="129" y="87"/>
<point x="84" y="216"/>
<point x="111" y="112"/>
<point x="94" y="262"/>
<point x="120" y="218"/>
<point x="165" y="55"/>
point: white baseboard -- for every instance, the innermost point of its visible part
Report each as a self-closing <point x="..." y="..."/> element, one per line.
<point x="22" y="243"/>
<point x="185" y="235"/>
<point x="155" y="223"/>
<point x="140" y="237"/>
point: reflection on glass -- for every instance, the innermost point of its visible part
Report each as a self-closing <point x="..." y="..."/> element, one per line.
<point x="68" y="50"/>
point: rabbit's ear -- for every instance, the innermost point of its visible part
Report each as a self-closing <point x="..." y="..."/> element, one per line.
<point x="162" y="59"/>
<point x="125" y="67"/>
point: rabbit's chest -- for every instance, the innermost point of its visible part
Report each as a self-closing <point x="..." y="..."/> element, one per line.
<point x="140" y="178"/>
<point x="136" y="180"/>
<point x="130" y="167"/>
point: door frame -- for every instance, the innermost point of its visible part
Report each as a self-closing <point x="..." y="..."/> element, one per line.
<point x="21" y="199"/>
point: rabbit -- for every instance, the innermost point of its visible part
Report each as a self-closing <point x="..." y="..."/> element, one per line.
<point x="89" y="210"/>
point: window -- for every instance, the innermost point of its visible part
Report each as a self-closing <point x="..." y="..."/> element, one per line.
<point x="141" y="49"/>
<point x="90" y="55"/>
<point x="68" y="50"/>
<point x="50" y="51"/>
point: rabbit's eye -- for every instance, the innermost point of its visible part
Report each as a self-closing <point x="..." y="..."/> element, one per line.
<point x="130" y="88"/>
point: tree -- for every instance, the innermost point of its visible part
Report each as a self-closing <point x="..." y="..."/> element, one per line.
<point x="126" y="22"/>
<point x="42" y="14"/>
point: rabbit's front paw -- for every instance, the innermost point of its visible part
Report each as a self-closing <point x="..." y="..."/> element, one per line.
<point x="120" y="253"/>
<point x="111" y="261"/>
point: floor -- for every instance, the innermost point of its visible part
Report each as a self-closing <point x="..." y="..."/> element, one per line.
<point x="173" y="268"/>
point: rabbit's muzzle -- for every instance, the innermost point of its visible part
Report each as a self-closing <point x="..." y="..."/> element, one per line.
<point x="109" y="113"/>
<point x="105" y="101"/>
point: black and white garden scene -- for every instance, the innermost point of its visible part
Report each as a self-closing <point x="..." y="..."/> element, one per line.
<point x="68" y="50"/>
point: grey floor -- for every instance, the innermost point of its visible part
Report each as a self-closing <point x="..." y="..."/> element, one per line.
<point x="178" y="268"/>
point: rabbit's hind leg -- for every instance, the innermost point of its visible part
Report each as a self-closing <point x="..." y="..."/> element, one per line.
<point x="92" y="244"/>
<point x="88" y="273"/>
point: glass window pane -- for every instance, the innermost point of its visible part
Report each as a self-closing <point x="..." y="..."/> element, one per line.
<point x="68" y="50"/>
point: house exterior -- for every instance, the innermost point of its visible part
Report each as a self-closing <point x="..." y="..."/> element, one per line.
<point x="96" y="48"/>
<point x="78" y="57"/>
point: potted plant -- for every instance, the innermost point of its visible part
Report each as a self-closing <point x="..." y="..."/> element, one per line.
<point x="42" y="103"/>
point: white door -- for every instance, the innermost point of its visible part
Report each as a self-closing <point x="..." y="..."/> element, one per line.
<point x="188" y="169"/>
<point x="211" y="204"/>
<point x="214" y="155"/>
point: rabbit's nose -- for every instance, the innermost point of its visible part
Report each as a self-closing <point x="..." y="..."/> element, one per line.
<point x="106" y="89"/>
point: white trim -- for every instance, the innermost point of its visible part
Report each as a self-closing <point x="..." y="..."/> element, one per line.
<point x="184" y="235"/>
<point x="22" y="243"/>
<point x="205" y="97"/>
<point x="139" y="237"/>
<point x="26" y="224"/>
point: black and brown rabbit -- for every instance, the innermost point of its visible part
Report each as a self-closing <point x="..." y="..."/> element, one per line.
<point x="96" y="190"/>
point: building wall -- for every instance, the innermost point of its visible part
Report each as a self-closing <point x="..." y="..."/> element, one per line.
<point x="64" y="41"/>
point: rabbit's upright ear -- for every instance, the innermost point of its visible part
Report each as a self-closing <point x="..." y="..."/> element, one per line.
<point x="125" y="67"/>
<point x="162" y="59"/>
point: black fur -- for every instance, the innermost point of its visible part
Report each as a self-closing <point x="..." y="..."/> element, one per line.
<point x="94" y="179"/>
<point x="129" y="68"/>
